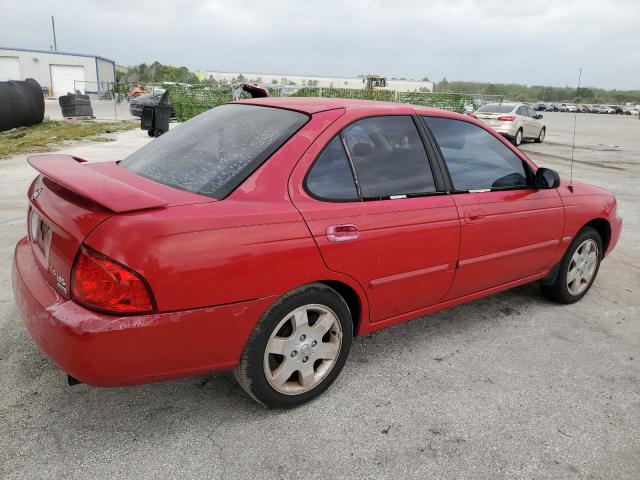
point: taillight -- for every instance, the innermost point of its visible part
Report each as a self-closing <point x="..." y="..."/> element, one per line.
<point x="102" y="284"/>
<point x="507" y="118"/>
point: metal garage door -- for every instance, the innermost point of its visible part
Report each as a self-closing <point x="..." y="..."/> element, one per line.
<point x="63" y="76"/>
<point x="9" y="69"/>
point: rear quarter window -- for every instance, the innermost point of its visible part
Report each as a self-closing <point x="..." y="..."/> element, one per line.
<point x="330" y="177"/>
<point x="213" y="153"/>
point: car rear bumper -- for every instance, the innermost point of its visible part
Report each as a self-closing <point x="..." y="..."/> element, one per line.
<point x="109" y="350"/>
<point x="616" y="230"/>
<point x="506" y="130"/>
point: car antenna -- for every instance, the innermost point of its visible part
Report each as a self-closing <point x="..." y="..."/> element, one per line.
<point x="575" y="120"/>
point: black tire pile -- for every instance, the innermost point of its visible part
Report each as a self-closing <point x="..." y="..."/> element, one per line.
<point x="21" y="104"/>
<point x="75" y="105"/>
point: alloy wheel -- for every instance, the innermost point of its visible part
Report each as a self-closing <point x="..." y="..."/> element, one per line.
<point x="518" y="137"/>
<point x="302" y="349"/>
<point x="582" y="267"/>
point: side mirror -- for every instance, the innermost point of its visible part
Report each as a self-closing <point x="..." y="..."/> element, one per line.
<point x="547" y="178"/>
<point x="539" y="116"/>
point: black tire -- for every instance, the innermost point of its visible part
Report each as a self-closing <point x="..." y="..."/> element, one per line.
<point x="157" y="132"/>
<point x="541" y="135"/>
<point x="517" y="138"/>
<point x="558" y="291"/>
<point x="151" y="133"/>
<point x="250" y="371"/>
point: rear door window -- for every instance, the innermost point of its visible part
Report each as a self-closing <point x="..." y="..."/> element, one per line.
<point x="216" y="151"/>
<point x="389" y="157"/>
<point x="476" y="159"/>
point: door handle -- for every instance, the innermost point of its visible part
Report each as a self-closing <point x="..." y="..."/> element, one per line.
<point x="474" y="216"/>
<point x="342" y="233"/>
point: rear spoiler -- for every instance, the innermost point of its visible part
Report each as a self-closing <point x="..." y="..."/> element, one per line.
<point x="95" y="182"/>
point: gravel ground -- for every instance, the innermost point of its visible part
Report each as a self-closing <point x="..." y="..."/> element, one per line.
<point x="510" y="386"/>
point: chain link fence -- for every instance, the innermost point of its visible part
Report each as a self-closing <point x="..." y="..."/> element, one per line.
<point x="92" y="100"/>
<point x="190" y="100"/>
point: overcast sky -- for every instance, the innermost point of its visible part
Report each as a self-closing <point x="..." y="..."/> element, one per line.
<point x="531" y="42"/>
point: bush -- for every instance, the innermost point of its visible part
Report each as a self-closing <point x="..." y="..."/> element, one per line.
<point x="191" y="100"/>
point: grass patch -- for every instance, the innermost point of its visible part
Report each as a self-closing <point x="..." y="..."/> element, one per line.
<point x="45" y="136"/>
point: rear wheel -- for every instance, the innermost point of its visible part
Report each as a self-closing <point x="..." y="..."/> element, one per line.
<point x="540" y="138"/>
<point x="517" y="140"/>
<point x="578" y="268"/>
<point x="298" y="347"/>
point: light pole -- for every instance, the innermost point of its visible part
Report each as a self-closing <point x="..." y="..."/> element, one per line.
<point x="53" y="27"/>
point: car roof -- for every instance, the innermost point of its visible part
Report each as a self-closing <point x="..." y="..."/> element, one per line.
<point x="311" y="105"/>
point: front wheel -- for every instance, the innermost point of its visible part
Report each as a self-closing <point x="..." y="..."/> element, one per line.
<point x="298" y="347"/>
<point x="578" y="268"/>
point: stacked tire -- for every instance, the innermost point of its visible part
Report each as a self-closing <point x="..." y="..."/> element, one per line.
<point x="74" y="105"/>
<point x="21" y="104"/>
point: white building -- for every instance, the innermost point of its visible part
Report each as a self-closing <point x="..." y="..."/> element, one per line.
<point x="318" y="81"/>
<point x="59" y="72"/>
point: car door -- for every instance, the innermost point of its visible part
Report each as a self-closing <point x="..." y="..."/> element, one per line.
<point x="378" y="211"/>
<point x="510" y="231"/>
<point x="535" y="124"/>
<point x="524" y="120"/>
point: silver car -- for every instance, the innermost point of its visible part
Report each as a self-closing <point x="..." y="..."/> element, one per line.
<point x="516" y="121"/>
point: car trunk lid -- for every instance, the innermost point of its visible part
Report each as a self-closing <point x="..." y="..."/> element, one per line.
<point x="72" y="197"/>
<point x="489" y="117"/>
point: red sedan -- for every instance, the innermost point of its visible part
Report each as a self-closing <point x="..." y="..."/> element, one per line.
<point x="262" y="235"/>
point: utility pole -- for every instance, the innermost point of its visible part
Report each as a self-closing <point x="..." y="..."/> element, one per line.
<point x="53" y="27"/>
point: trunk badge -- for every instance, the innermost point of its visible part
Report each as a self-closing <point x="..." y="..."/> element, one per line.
<point x="35" y="193"/>
<point x="60" y="283"/>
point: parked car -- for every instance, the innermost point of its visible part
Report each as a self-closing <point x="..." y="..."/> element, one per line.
<point x="516" y="121"/>
<point x="609" y="110"/>
<point x="552" y="107"/>
<point x="262" y="235"/>
<point x="562" y="107"/>
<point x="634" y="111"/>
<point x="571" y="108"/>
<point x="582" y="109"/>
<point x="539" y="107"/>
<point x="617" y="109"/>
<point x="148" y="99"/>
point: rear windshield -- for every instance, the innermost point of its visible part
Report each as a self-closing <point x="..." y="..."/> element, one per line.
<point x="216" y="151"/>
<point x="496" y="108"/>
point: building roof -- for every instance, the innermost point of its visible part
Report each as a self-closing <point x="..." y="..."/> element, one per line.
<point x="58" y="53"/>
<point x="326" y="77"/>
